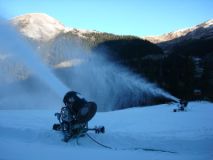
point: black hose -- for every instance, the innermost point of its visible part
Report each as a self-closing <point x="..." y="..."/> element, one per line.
<point x="98" y="142"/>
<point x="135" y="148"/>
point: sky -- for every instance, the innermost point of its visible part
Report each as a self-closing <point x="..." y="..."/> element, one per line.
<point x="123" y="17"/>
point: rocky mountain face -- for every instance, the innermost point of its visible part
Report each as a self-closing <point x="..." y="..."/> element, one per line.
<point x="180" y="62"/>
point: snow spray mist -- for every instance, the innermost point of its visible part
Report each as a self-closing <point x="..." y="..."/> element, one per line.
<point x="15" y="46"/>
<point x="110" y="85"/>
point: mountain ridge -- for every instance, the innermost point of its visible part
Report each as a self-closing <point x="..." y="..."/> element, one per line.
<point x="42" y="27"/>
<point x="181" y="32"/>
<point x="168" y="41"/>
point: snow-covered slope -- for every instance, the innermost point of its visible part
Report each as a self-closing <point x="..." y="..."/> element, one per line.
<point x="42" y="27"/>
<point x="203" y="30"/>
<point x="137" y="133"/>
<point x="38" y="26"/>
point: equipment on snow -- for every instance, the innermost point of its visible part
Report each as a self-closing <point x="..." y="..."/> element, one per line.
<point x="74" y="117"/>
<point x="181" y="106"/>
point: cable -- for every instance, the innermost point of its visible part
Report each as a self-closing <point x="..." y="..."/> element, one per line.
<point x="98" y="142"/>
<point x="135" y="148"/>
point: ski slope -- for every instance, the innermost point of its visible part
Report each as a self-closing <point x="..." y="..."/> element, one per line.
<point x="149" y="133"/>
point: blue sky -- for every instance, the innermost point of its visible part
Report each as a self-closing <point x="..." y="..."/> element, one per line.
<point x="127" y="17"/>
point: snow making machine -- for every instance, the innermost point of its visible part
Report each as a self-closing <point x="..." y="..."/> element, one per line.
<point x="74" y="117"/>
<point x="182" y="105"/>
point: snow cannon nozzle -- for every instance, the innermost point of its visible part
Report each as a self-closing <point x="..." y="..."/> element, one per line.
<point x="75" y="115"/>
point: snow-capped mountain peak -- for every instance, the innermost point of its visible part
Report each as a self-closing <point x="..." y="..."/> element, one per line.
<point x="195" y="32"/>
<point x="38" y="26"/>
<point x="42" y="27"/>
<point x="206" y="24"/>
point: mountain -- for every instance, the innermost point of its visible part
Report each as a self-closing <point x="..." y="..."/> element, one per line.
<point x="167" y="41"/>
<point x="42" y="27"/>
<point x="37" y="26"/>
<point x="203" y="30"/>
<point x="49" y="37"/>
<point x="57" y="44"/>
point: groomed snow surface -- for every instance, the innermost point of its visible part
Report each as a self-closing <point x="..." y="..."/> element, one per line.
<point x="150" y="133"/>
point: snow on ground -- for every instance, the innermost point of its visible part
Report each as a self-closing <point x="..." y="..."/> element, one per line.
<point x="150" y="133"/>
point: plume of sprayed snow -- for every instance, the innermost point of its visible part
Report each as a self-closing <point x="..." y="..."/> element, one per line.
<point x="13" y="44"/>
<point x="112" y="86"/>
